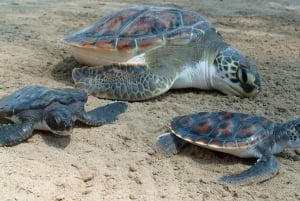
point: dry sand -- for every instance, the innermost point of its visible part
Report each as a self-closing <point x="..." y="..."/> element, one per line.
<point x="119" y="161"/>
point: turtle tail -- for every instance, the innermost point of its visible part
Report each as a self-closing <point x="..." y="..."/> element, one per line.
<point x="121" y="81"/>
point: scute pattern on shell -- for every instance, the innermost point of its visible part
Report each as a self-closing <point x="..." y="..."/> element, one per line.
<point x="141" y="28"/>
<point x="220" y="129"/>
<point x="37" y="97"/>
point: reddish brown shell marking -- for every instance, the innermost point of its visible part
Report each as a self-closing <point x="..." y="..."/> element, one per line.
<point x="220" y="129"/>
<point x="140" y="28"/>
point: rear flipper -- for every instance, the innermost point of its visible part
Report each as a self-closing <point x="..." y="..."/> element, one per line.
<point x="169" y="143"/>
<point x="105" y="114"/>
<point x="262" y="170"/>
<point x="12" y="134"/>
<point x="121" y="81"/>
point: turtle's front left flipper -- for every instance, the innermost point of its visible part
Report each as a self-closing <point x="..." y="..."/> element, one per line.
<point x="263" y="169"/>
<point x="169" y="143"/>
<point x="128" y="81"/>
<point x="103" y="115"/>
<point x="12" y="134"/>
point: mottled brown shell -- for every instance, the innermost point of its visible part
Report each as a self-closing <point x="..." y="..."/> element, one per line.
<point x="129" y="32"/>
<point x="221" y="130"/>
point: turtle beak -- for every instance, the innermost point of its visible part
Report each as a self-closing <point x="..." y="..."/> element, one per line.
<point x="250" y="86"/>
<point x="245" y="90"/>
<point x="241" y="92"/>
<point x="65" y="132"/>
<point x="238" y="89"/>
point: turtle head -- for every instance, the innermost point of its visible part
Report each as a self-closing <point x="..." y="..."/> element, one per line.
<point x="235" y="74"/>
<point x="60" y="121"/>
<point x="291" y="129"/>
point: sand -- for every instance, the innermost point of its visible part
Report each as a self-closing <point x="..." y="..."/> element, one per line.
<point x="119" y="161"/>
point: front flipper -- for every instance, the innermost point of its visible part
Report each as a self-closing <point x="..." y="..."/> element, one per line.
<point x="127" y="81"/>
<point x="12" y="134"/>
<point x="169" y="143"/>
<point x="263" y="169"/>
<point x="103" y="115"/>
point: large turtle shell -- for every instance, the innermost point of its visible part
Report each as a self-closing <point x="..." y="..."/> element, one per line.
<point x="129" y="32"/>
<point x="38" y="97"/>
<point x="222" y="131"/>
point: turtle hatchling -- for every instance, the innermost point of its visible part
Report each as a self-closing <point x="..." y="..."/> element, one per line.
<point x="142" y="52"/>
<point x="239" y="134"/>
<point x="51" y="109"/>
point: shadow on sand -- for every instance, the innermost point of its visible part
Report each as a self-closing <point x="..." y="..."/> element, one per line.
<point x="62" y="71"/>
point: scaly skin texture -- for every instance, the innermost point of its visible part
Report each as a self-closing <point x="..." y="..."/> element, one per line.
<point x="122" y="82"/>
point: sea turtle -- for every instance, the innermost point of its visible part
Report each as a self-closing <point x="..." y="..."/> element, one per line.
<point x="52" y="109"/>
<point x="239" y="134"/>
<point x="141" y="52"/>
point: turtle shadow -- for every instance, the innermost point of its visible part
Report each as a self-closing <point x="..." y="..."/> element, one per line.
<point x="209" y="157"/>
<point x="62" y="71"/>
<point x="54" y="140"/>
<point x="59" y="141"/>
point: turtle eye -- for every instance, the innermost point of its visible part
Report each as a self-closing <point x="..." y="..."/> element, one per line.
<point x="57" y="120"/>
<point x="297" y="127"/>
<point x="242" y="75"/>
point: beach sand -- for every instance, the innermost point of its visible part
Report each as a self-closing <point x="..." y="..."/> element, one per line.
<point x="119" y="161"/>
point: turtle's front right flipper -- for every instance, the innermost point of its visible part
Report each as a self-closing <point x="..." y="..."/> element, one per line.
<point x="103" y="115"/>
<point x="122" y="81"/>
<point x="12" y="134"/>
<point x="262" y="170"/>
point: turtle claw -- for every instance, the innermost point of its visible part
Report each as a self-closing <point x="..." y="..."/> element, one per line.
<point x="262" y="170"/>
<point x="105" y="114"/>
<point x="169" y="143"/>
<point x="12" y="134"/>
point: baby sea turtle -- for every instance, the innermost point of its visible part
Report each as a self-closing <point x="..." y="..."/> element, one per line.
<point x="242" y="135"/>
<point x="51" y="109"/>
<point x="143" y="52"/>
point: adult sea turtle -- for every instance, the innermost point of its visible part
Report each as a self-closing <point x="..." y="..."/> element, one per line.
<point x="142" y="52"/>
